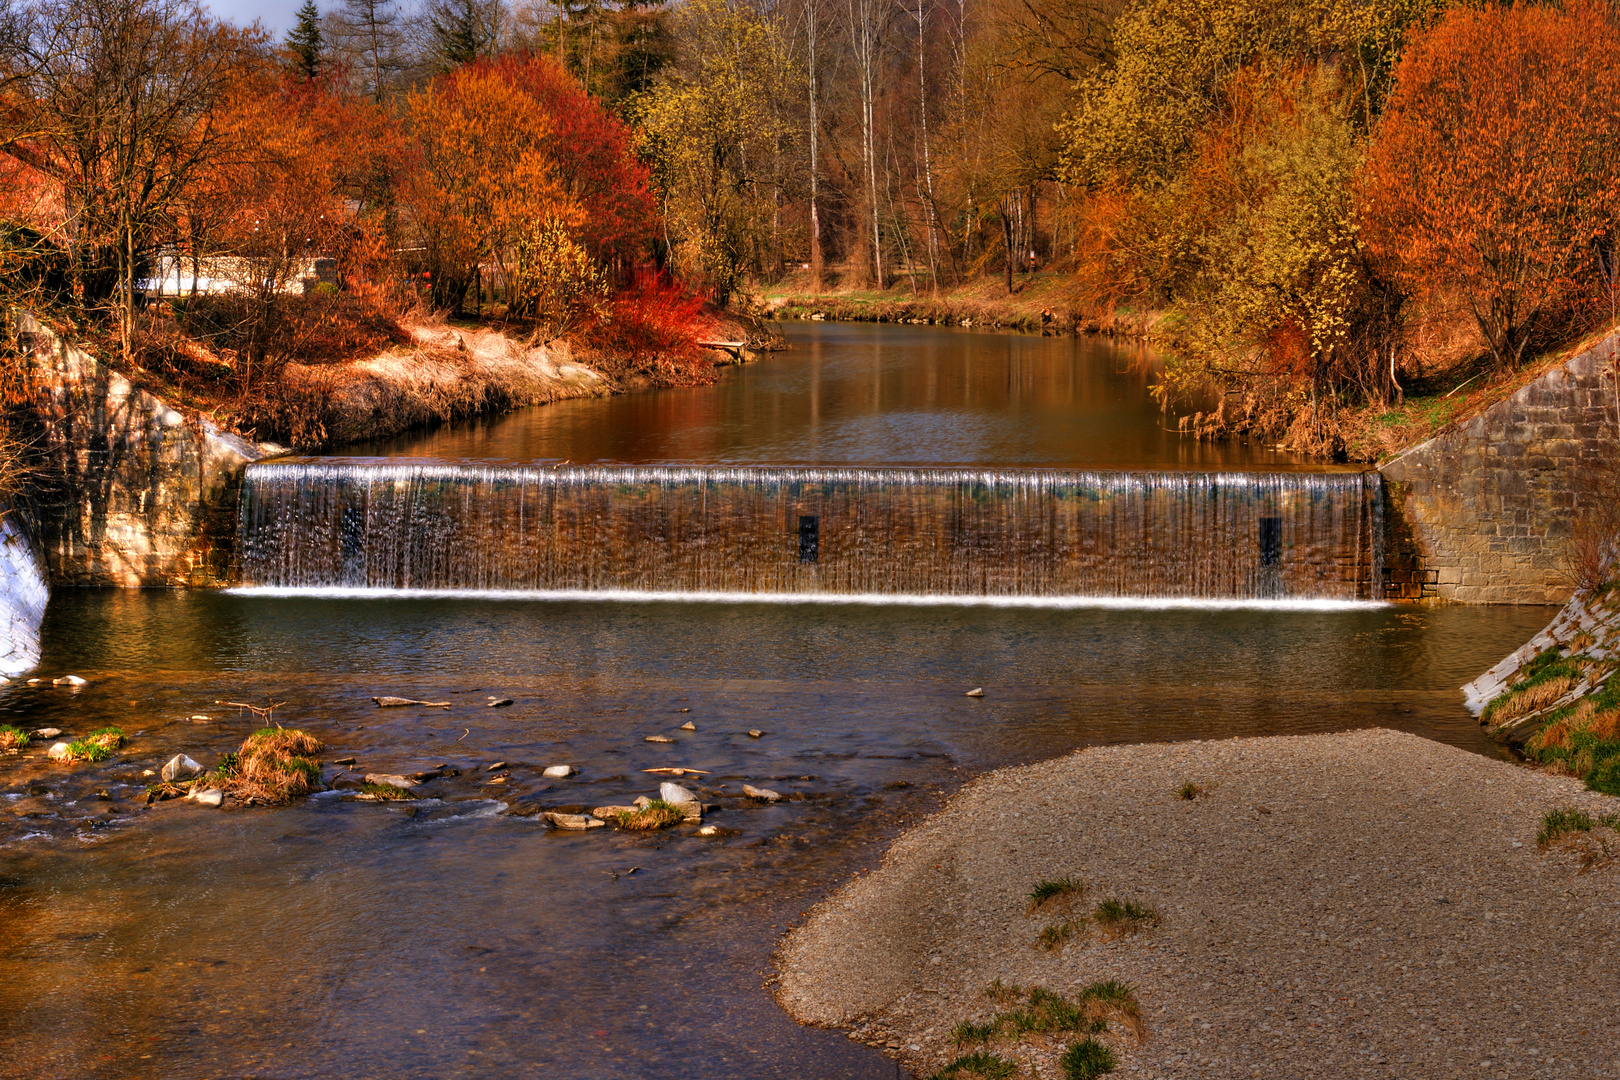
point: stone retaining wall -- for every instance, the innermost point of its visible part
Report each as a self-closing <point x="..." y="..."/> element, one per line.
<point x="1488" y="504"/>
<point x="134" y="492"/>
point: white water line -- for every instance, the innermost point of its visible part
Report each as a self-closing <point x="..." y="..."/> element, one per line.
<point x="641" y="596"/>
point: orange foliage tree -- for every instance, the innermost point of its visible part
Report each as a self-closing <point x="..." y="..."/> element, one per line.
<point x="1495" y="170"/>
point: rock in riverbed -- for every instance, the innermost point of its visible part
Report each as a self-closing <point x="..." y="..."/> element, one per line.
<point x="559" y="771"/>
<point x="499" y="703"/>
<point x="977" y="691"/>
<point x="609" y="813"/>
<point x="675" y="793"/>
<point x="69" y="680"/>
<point x="208" y="797"/>
<point x="46" y="733"/>
<point x="689" y="726"/>
<point x="59" y="752"/>
<point x="658" y="738"/>
<point x="180" y="767"/>
<point x="761" y="793"/>
<point x="570" y="821"/>
<point x="391" y="780"/>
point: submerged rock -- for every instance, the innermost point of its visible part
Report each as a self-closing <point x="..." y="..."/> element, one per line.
<point x="754" y="733"/>
<point x="709" y="830"/>
<point x="46" y="732"/>
<point x="558" y="770"/>
<point x="761" y="793"/>
<point x="180" y="767"/>
<point x="977" y="691"/>
<point x="658" y="738"/>
<point x="570" y="821"/>
<point x="499" y="703"/>
<point x="689" y="726"/>
<point x="69" y="680"/>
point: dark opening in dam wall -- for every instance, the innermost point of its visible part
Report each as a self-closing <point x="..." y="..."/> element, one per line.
<point x="929" y="532"/>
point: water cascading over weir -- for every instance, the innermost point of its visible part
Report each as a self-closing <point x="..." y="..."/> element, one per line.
<point x="834" y="532"/>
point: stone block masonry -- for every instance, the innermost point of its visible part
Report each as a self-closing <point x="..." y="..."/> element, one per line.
<point x="134" y="492"/>
<point x="1489" y="503"/>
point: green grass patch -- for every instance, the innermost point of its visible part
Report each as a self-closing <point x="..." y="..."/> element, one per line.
<point x="1556" y="823"/>
<point x="1189" y="791"/>
<point x="96" y="746"/>
<point x="1087" y="1060"/>
<point x="1064" y="890"/>
<point x="968" y="1033"/>
<point x="978" y="1065"/>
<point x="657" y="814"/>
<point x="12" y="739"/>
<point x="1120" y="917"/>
<point x="1054" y="937"/>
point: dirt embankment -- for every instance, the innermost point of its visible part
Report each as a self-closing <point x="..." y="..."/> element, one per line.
<point x="1368" y="904"/>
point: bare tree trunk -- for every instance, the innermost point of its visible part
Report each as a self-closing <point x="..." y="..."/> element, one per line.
<point x="811" y="11"/>
<point x="928" y="163"/>
<point x="866" y="36"/>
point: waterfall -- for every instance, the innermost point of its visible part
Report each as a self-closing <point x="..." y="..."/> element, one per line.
<point x="844" y="531"/>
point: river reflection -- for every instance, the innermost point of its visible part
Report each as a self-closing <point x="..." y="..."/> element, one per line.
<point x="456" y="938"/>
<point x="868" y="394"/>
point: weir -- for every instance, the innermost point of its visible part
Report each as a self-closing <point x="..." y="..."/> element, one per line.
<point x="773" y="531"/>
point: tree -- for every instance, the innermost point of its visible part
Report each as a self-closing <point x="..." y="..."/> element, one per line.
<point x="304" y="43"/>
<point x="1496" y="167"/>
<point x="118" y="105"/>
<point x="372" y="34"/>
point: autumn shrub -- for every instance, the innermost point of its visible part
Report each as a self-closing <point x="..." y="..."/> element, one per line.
<point x="655" y="324"/>
<point x="1496" y="167"/>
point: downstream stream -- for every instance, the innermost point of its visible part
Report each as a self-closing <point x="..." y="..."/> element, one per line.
<point x="458" y="935"/>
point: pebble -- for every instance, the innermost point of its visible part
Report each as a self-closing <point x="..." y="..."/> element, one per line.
<point x="46" y="733"/>
<point x="180" y="767"/>
<point x="761" y="793"/>
<point x="69" y="680"/>
<point x="499" y="703"/>
<point x="497" y="765"/>
<point x="658" y="738"/>
<point x="689" y="726"/>
<point x="708" y="830"/>
<point x="559" y="771"/>
<point x="199" y="719"/>
<point x="977" y="691"/>
<point x="754" y="733"/>
<point x="344" y="761"/>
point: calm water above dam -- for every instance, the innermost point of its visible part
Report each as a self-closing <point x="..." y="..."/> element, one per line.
<point x="1102" y="580"/>
<point x="865" y="394"/>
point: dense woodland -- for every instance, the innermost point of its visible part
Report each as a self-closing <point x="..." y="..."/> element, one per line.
<point x="1304" y="195"/>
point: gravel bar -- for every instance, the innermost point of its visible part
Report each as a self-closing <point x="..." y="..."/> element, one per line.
<point x="1364" y="904"/>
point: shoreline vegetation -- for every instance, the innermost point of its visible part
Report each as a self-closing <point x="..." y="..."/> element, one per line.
<point x="1341" y="905"/>
<point x="1450" y="383"/>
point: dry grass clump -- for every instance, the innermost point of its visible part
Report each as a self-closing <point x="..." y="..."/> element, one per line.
<point x="657" y="814"/>
<point x="1190" y="791"/>
<point x="1533" y="696"/>
<point x="1037" y="1012"/>
<point x="383" y="793"/>
<point x="274" y="765"/>
<point x="12" y="739"/>
<point x="1117" y="918"/>
<point x="1064" y="891"/>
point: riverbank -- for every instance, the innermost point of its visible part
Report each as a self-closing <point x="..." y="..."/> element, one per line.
<point x="1365" y="904"/>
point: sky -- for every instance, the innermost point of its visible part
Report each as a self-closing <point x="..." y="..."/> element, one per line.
<point x="276" y="15"/>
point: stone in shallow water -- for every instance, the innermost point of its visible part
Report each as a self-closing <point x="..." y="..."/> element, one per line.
<point x="754" y="733"/>
<point x="675" y="793"/>
<point x="977" y="691"/>
<point x="571" y="821"/>
<point x="559" y="771"/>
<point x="69" y="680"/>
<point x="709" y="830"/>
<point x="499" y="703"/>
<point x="47" y="733"/>
<point x="391" y="779"/>
<point x="180" y="767"/>
<point x="658" y="738"/>
<point x="689" y="726"/>
<point x="608" y="813"/>
<point x="58" y="752"/>
<point x="761" y="793"/>
<point x="401" y="702"/>
<point x="208" y="797"/>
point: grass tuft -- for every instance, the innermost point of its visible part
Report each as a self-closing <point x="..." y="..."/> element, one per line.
<point x="96" y="746"/>
<point x="1111" y="999"/>
<point x="657" y="814"/>
<point x="967" y="1033"/>
<point x="12" y="739"/>
<point x="1116" y="918"/>
<point x="1063" y="890"/>
<point x="1190" y="791"/>
<point x="386" y="792"/>
<point x="1087" y="1060"/>
<point x="977" y="1066"/>
<point x="1054" y="937"/>
<point x="1562" y="822"/>
<point x="275" y="765"/>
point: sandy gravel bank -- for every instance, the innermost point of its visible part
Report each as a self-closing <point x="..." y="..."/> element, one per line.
<point x="1367" y="904"/>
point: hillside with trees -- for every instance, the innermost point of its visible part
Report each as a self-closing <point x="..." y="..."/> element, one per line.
<point x="1335" y="214"/>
